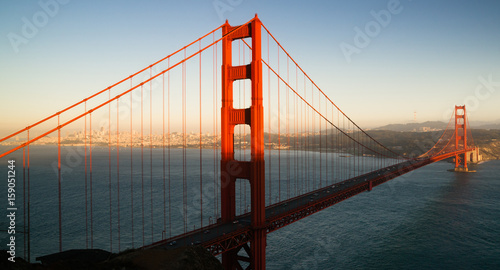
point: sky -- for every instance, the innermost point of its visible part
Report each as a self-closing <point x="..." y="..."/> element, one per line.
<point x="382" y="62"/>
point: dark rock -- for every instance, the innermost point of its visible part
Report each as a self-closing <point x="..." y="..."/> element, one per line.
<point x="89" y="256"/>
<point x="18" y="264"/>
<point x="185" y="258"/>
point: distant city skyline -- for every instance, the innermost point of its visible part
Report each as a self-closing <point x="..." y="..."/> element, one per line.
<point x="379" y="61"/>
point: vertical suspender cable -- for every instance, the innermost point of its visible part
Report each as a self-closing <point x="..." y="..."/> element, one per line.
<point x="355" y="149"/>
<point x="168" y="161"/>
<point x="279" y="132"/>
<point x="184" y="169"/>
<point x="24" y="203"/>
<point x="361" y="151"/>
<point x="109" y="177"/>
<point x="86" y="203"/>
<point x="29" y="199"/>
<point x="320" y="145"/>
<point x="214" y="125"/>
<point x="90" y="182"/>
<point x="245" y="136"/>
<point x="142" y="162"/>
<point x="342" y="144"/>
<point x="306" y="140"/>
<point x="151" y="148"/>
<point x="201" y="155"/>
<point x="269" y="123"/>
<point x="295" y="127"/>
<point x="59" y="179"/>
<point x="163" y="159"/>
<point x="326" y="146"/>
<point x="239" y="126"/>
<point x="131" y="169"/>
<point x="118" y="168"/>
<point x="333" y="150"/>
<point x="303" y="141"/>
<point x="216" y="190"/>
<point x="313" y="120"/>
<point x="351" y="142"/>
<point x="288" y="128"/>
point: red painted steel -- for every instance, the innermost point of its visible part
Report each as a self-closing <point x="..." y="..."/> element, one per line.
<point x="460" y="138"/>
<point x="234" y="238"/>
<point x="232" y="169"/>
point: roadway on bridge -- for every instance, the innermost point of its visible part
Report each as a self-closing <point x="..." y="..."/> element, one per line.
<point x="218" y="233"/>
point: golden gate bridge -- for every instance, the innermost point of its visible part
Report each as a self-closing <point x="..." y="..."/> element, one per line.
<point x="217" y="144"/>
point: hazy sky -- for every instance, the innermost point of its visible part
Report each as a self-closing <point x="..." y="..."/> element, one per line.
<point x="425" y="58"/>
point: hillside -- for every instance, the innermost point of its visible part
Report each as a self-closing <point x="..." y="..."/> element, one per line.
<point x="412" y="127"/>
<point x="434" y="126"/>
<point x="416" y="143"/>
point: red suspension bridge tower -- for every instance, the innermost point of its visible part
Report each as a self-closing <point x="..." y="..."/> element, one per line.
<point x="464" y="153"/>
<point x="460" y="138"/>
<point x="253" y="170"/>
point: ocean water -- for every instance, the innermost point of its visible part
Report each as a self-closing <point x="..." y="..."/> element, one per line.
<point x="427" y="219"/>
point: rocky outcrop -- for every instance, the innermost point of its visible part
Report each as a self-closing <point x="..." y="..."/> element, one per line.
<point x="186" y="258"/>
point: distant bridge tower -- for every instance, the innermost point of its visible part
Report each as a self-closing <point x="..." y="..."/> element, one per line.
<point x="460" y="138"/>
<point x="232" y="169"/>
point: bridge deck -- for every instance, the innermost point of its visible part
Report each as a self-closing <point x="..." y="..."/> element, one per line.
<point x="221" y="237"/>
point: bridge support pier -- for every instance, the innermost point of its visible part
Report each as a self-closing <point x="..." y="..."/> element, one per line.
<point x="475" y="157"/>
<point x="253" y="170"/>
